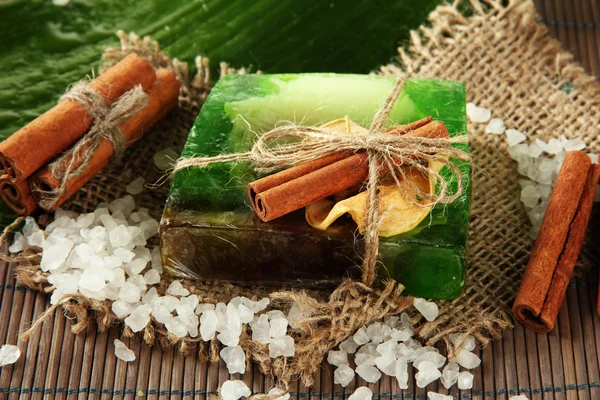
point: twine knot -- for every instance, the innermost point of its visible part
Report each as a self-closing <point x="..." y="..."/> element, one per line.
<point x="391" y="153"/>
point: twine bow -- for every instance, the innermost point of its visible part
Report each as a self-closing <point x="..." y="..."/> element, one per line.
<point x="394" y="152"/>
<point x="107" y="118"/>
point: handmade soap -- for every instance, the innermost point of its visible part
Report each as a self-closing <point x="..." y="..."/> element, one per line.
<point x="209" y="228"/>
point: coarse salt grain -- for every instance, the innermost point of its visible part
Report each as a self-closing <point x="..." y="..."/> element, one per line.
<point x="123" y="352"/>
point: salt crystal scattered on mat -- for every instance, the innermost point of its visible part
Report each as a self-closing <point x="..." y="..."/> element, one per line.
<point x="122" y="352"/>
<point x="428" y="309"/>
<point x="514" y="137"/>
<point x="349" y="345"/>
<point x="234" y="359"/>
<point x="450" y="375"/>
<point x="208" y="325"/>
<point x="368" y="372"/>
<point x="364" y="359"/>
<point x="465" y="380"/>
<point x="139" y="318"/>
<point x="337" y="357"/>
<point x="478" y="114"/>
<point x="361" y="393"/>
<point x="343" y="375"/>
<point x="402" y="373"/>
<point x="438" y="396"/>
<point x="275" y="391"/>
<point x="437" y="359"/>
<point x="233" y="390"/>
<point x="386" y="364"/>
<point x="495" y="126"/>
<point x="136" y="186"/>
<point x="229" y="338"/>
<point x="468" y="342"/>
<point x="177" y="327"/>
<point x="129" y="292"/>
<point x="18" y="243"/>
<point x="121" y="309"/>
<point x="260" y="329"/>
<point x="282" y="346"/>
<point x="428" y="373"/>
<point x="9" y="354"/>
<point x="378" y="331"/>
<point x="467" y="360"/>
<point x="361" y="336"/>
<point x="152" y="277"/>
<point x="201" y="308"/>
<point x="176" y="289"/>
<point x="278" y="327"/>
<point x="519" y="397"/>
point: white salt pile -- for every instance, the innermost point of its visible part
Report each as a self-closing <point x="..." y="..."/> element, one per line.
<point x="9" y="354"/>
<point x="387" y="347"/>
<point x="122" y="352"/>
<point x="537" y="160"/>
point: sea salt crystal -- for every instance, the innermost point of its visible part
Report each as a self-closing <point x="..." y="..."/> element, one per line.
<point x="337" y="358"/>
<point x="514" y="137"/>
<point x="361" y="336"/>
<point x="364" y="359"/>
<point x="189" y="318"/>
<point x="278" y="327"/>
<point x="386" y="364"/>
<point x="135" y="267"/>
<point x="428" y="373"/>
<point x="438" y="396"/>
<point x="55" y="254"/>
<point x="177" y="327"/>
<point x="349" y="345"/>
<point x="535" y="150"/>
<point x="406" y="353"/>
<point x="130" y="292"/>
<point x="122" y="352"/>
<point x="221" y="310"/>
<point x="125" y="205"/>
<point x="465" y="380"/>
<point x="594" y="158"/>
<point x="276" y="314"/>
<point x="468" y="342"/>
<point x="437" y="359"/>
<point x="343" y="375"/>
<point x="296" y="314"/>
<point x="275" y="391"/>
<point x="139" y="318"/>
<point x="495" y="126"/>
<point x="165" y="158"/>
<point x="136" y="186"/>
<point x="401" y="335"/>
<point x="120" y="237"/>
<point x="169" y="302"/>
<point x="260" y="305"/>
<point x="208" y="325"/>
<point x="428" y="309"/>
<point x="450" y="375"/>
<point x="402" y="374"/>
<point x="161" y="313"/>
<point x="176" y="289"/>
<point x="519" y="397"/>
<point x="554" y="146"/>
<point x="378" y="331"/>
<point x="368" y="372"/>
<point x="574" y="144"/>
<point x="121" y="308"/>
<point x="530" y="196"/>
<point x="282" y="346"/>
<point x="260" y="329"/>
<point x="18" y="244"/>
<point x="361" y="393"/>
<point x="204" y="307"/>
<point x="152" y="277"/>
<point x="467" y="360"/>
<point x="149" y="227"/>
<point x="192" y="300"/>
<point x="93" y="279"/>
<point x="233" y="390"/>
<point x="246" y="314"/>
<point x="235" y="359"/>
<point x="478" y="114"/>
<point x="9" y="354"/>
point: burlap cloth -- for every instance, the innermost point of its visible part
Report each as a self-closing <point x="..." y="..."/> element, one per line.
<point x="509" y="65"/>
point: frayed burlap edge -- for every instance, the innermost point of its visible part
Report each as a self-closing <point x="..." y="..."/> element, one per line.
<point x="450" y="48"/>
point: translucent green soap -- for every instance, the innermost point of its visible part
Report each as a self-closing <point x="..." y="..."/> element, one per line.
<point x="209" y="227"/>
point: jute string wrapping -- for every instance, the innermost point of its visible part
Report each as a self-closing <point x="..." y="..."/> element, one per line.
<point x="74" y="162"/>
<point x="509" y="64"/>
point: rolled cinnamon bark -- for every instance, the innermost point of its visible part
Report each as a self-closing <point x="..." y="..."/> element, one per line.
<point x="38" y="142"/>
<point x="290" y="190"/>
<point x="17" y="196"/>
<point x="557" y="246"/>
<point x="162" y="98"/>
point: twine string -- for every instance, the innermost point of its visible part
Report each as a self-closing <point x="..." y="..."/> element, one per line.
<point x="106" y="125"/>
<point x="392" y="152"/>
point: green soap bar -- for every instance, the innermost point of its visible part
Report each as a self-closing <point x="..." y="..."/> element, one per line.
<point x="209" y="226"/>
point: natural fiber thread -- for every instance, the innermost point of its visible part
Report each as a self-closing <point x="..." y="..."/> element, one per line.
<point x="391" y="151"/>
<point x="106" y="123"/>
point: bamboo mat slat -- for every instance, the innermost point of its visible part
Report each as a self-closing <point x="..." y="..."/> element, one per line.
<point x="563" y="365"/>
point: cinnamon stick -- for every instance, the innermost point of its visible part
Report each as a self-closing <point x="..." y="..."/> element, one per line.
<point x="297" y="187"/>
<point x="17" y="196"/>
<point x="38" y="142"/>
<point x="162" y="98"/>
<point x="557" y="246"/>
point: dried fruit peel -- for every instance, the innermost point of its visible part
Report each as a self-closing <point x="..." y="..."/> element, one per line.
<point x="399" y="215"/>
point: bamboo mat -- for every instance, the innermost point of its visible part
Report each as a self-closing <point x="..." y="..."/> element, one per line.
<point x="561" y="365"/>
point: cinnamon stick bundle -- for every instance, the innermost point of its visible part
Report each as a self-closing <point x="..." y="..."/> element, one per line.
<point x="558" y="244"/>
<point x="34" y="145"/>
<point x="162" y="98"/>
<point x="292" y="189"/>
